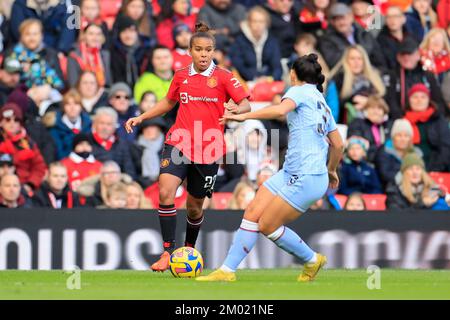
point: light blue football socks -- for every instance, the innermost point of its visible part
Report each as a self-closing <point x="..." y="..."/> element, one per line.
<point x="243" y="242"/>
<point x="290" y="242"/>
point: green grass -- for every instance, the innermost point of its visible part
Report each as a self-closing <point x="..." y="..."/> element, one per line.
<point x="251" y="284"/>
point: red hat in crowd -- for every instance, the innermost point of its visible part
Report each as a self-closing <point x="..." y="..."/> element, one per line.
<point x="10" y="110"/>
<point x="419" y="87"/>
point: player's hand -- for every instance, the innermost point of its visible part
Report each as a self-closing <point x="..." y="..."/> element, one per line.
<point x="232" y="117"/>
<point x="132" y="122"/>
<point x="231" y="107"/>
<point x="333" y="179"/>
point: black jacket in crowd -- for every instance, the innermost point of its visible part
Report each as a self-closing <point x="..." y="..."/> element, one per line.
<point x="363" y="128"/>
<point x="395" y="89"/>
<point x="333" y="44"/>
<point x="283" y="30"/>
<point x="438" y="138"/>
<point x="119" y="152"/>
<point x="396" y="200"/>
<point x="389" y="46"/>
<point x="69" y="198"/>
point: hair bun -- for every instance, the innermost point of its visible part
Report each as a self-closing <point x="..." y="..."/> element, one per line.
<point x="312" y="57"/>
<point x="201" y="27"/>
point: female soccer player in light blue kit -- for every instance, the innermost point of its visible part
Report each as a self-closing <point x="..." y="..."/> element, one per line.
<point x="303" y="180"/>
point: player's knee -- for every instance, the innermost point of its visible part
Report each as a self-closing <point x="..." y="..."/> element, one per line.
<point x="194" y="210"/>
<point x="166" y="195"/>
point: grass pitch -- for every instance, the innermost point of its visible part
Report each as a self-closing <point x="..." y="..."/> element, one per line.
<point x="251" y="284"/>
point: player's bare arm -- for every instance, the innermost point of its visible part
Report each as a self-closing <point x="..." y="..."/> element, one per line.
<point x="271" y="112"/>
<point x="242" y="107"/>
<point x="162" y="107"/>
<point x="335" y="155"/>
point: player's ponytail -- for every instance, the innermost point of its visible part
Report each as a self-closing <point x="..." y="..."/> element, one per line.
<point x="202" y="30"/>
<point x="308" y="69"/>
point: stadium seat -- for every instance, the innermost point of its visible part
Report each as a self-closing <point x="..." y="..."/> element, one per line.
<point x="442" y="179"/>
<point x="265" y="91"/>
<point x="341" y="198"/>
<point x="375" y="201"/>
<point x="220" y="200"/>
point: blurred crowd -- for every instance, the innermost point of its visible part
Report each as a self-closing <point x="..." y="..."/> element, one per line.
<point x="73" y="71"/>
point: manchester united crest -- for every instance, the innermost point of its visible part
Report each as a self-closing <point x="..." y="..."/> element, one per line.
<point x="212" y="82"/>
<point x="165" y="162"/>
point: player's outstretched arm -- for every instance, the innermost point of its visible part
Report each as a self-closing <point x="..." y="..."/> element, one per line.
<point x="162" y="107"/>
<point x="336" y="149"/>
<point x="271" y="112"/>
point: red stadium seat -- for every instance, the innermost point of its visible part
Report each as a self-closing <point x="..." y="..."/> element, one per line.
<point x="220" y="200"/>
<point x="341" y="198"/>
<point x="375" y="201"/>
<point x="442" y="179"/>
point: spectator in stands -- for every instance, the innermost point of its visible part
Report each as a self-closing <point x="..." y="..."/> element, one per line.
<point x="4" y="30"/>
<point x="181" y="35"/>
<point x="9" y="78"/>
<point x="374" y="127"/>
<point x="435" y="53"/>
<point x="305" y="44"/>
<point x="116" y="197"/>
<point x="356" y="174"/>
<point x="92" y="94"/>
<point x="120" y="99"/>
<point x="252" y="147"/>
<point x="129" y="55"/>
<point x="6" y="164"/>
<point x="106" y="144"/>
<point x="27" y="100"/>
<point x="10" y="196"/>
<point x="431" y="132"/>
<point x="160" y="78"/>
<point x="65" y="124"/>
<point x="55" y="191"/>
<point x="94" y="188"/>
<point x="420" y="19"/>
<point x="354" y="79"/>
<point x="136" y="198"/>
<point x="343" y="33"/>
<point x="59" y="24"/>
<point x="363" y="13"/>
<point x="224" y="18"/>
<point x="392" y="34"/>
<point x="243" y="194"/>
<point x="151" y="140"/>
<point x="90" y="14"/>
<point x="284" y="24"/>
<point x="176" y="12"/>
<point x="355" y="202"/>
<point x="81" y="163"/>
<point x="409" y="72"/>
<point x="140" y="11"/>
<point x="148" y="101"/>
<point x="88" y="55"/>
<point x="389" y="157"/>
<point x="313" y="17"/>
<point x="39" y="63"/>
<point x="413" y="188"/>
<point x="14" y="140"/>
<point x="256" y="53"/>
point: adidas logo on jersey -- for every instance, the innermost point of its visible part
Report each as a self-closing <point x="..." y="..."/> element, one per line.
<point x="185" y="81"/>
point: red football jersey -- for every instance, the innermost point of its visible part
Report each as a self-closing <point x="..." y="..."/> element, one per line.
<point x="197" y="132"/>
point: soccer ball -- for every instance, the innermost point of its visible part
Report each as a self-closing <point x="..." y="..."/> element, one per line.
<point x="186" y="262"/>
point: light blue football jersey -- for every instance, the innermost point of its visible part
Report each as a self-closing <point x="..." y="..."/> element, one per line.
<point x="309" y="123"/>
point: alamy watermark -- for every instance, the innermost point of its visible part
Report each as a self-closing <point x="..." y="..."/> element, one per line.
<point x="73" y="282"/>
<point x="374" y="280"/>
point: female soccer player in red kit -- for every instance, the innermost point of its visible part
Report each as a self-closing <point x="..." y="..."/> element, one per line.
<point x="195" y="143"/>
